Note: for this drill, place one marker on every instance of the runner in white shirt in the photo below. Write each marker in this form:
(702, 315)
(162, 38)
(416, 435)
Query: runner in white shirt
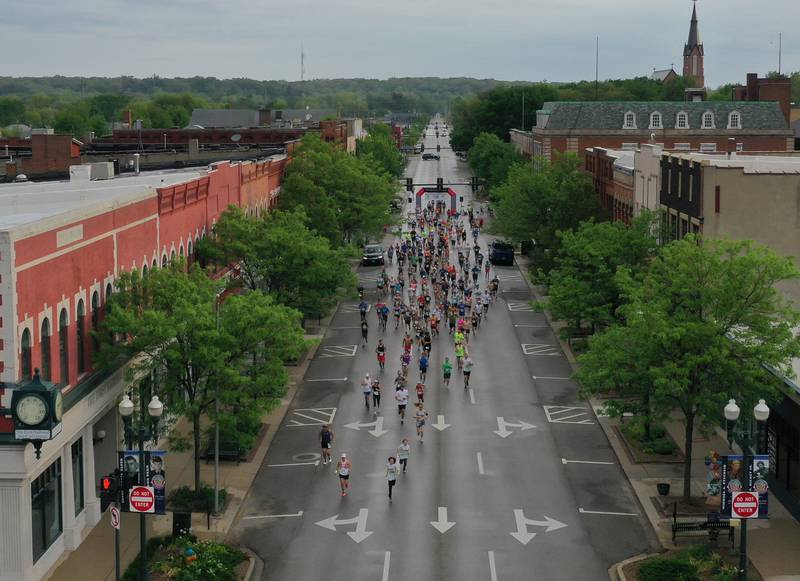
(403, 453)
(401, 395)
(391, 474)
(343, 470)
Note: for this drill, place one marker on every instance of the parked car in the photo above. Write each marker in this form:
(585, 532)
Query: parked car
(501, 253)
(430, 156)
(373, 254)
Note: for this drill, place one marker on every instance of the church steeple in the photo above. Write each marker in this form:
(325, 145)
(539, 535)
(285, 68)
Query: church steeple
(693, 52)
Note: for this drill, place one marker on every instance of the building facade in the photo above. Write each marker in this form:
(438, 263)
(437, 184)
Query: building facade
(62, 245)
(612, 174)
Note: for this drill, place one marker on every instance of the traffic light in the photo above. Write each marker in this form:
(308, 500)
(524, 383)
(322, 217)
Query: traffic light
(438, 148)
(474, 183)
(409, 184)
(109, 487)
(439, 184)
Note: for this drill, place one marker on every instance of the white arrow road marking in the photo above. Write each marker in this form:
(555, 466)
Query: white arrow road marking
(360, 521)
(386, 559)
(442, 525)
(522, 534)
(311, 417)
(378, 423)
(480, 463)
(565, 461)
(471, 396)
(331, 379)
(492, 566)
(502, 426)
(440, 425)
(561, 414)
(314, 463)
(260, 516)
(540, 349)
(582, 511)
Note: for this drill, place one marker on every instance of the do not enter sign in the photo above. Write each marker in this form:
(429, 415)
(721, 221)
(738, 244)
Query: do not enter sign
(142, 499)
(744, 505)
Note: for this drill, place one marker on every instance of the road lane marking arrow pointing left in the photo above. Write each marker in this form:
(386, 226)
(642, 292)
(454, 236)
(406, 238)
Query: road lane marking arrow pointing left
(503, 425)
(442, 525)
(440, 425)
(378, 431)
(522, 534)
(359, 534)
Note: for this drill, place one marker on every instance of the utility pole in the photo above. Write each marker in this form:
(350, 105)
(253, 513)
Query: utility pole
(596, 68)
(780, 51)
(523, 112)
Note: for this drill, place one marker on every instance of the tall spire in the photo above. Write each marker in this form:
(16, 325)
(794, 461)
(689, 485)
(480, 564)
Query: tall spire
(694, 33)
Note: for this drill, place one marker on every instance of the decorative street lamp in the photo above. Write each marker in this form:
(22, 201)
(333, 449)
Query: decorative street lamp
(742, 436)
(148, 429)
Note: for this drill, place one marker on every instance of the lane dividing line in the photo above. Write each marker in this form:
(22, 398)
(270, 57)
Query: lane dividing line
(314, 463)
(387, 556)
(480, 463)
(541, 377)
(298, 513)
(531, 326)
(565, 461)
(492, 566)
(326, 379)
(582, 511)
(471, 396)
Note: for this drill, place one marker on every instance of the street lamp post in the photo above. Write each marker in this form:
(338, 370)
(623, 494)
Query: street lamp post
(746, 441)
(154, 409)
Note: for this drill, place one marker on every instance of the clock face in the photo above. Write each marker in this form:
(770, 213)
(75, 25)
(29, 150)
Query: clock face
(58, 406)
(31, 410)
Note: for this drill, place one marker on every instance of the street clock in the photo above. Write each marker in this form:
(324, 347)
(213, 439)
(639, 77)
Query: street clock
(37, 408)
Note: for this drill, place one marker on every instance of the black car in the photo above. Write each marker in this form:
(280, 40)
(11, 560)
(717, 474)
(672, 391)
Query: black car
(373, 254)
(430, 156)
(501, 253)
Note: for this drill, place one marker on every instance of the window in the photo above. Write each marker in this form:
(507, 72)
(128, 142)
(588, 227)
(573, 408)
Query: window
(189, 253)
(77, 475)
(46, 362)
(46, 509)
(80, 336)
(734, 120)
(708, 147)
(708, 120)
(26, 365)
(630, 120)
(655, 120)
(95, 319)
(683, 146)
(155, 264)
(144, 270)
(63, 352)
(109, 291)
(164, 261)
(629, 146)
(740, 147)
(682, 120)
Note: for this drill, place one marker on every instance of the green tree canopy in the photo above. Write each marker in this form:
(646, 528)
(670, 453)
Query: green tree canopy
(492, 159)
(381, 147)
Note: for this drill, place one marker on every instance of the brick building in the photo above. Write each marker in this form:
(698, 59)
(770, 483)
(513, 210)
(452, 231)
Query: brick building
(612, 175)
(62, 244)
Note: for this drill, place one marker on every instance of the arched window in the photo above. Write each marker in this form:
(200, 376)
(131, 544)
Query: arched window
(164, 261)
(655, 120)
(155, 264)
(172, 256)
(144, 270)
(682, 121)
(708, 120)
(630, 120)
(46, 353)
(63, 351)
(109, 290)
(189, 253)
(26, 364)
(734, 120)
(95, 320)
(180, 252)
(80, 336)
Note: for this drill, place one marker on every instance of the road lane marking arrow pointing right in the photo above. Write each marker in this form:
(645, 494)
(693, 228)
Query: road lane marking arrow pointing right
(442, 525)
(502, 426)
(522, 534)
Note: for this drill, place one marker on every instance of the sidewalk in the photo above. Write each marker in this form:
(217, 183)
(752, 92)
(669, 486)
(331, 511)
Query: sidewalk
(94, 558)
(773, 545)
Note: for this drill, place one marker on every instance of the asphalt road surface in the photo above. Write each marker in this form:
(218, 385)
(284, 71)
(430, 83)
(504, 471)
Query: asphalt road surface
(514, 480)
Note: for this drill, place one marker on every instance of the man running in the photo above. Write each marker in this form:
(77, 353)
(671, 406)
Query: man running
(403, 453)
(423, 367)
(401, 395)
(447, 370)
(420, 389)
(468, 363)
(391, 474)
(343, 469)
(364, 332)
(366, 389)
(420, 415)
(380, 351)
(326, 441)
(376, 395)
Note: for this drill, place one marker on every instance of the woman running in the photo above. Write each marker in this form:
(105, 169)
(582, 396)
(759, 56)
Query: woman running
(420, 415)
(343, 469)
(391, 474)
(403, 453)
(468, 363)
(326, 440)
(376, 394)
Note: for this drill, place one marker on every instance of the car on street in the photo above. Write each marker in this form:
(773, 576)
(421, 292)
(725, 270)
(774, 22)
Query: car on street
(501, 253)
(373, 254)
(427, 156)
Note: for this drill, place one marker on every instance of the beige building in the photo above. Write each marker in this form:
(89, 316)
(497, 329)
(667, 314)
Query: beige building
(646, 178)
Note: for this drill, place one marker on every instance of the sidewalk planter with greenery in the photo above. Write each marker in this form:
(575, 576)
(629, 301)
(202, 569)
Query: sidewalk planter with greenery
(210, 560)
(658, 442)
(186, 499)
(696, 563)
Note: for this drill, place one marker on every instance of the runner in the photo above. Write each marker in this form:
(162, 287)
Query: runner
(460, 354)
(343, 469)
(447, 370)
(403, 453)
(401, 395)
(468, 363)
(380, 351)
(486, 268)
(326, 441)
(391, 474)
(405, 361)
(420, 392)
(376, 395)
(420, 416)
(423, 367)
(364, 332)
(366, 389)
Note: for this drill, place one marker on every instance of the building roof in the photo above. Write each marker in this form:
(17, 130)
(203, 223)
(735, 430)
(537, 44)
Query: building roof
(31, 202)
(225, 118)
(662, 75)
(610, 114)
(750, 164)
(694, 35)
(302, 115)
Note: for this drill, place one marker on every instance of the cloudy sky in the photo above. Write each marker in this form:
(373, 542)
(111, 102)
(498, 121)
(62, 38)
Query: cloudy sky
(502, 39)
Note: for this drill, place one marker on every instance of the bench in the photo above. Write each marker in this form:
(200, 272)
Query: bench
(710, 527)
(226, 453)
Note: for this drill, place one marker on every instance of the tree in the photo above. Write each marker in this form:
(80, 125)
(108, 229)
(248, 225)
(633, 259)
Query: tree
(492, 159)
(11, 110)
(172, 330)
(704, 320)
(381, 147)
(583, 287)
(539, 199)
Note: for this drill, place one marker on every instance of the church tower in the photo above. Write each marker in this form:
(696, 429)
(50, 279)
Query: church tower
(693, 54)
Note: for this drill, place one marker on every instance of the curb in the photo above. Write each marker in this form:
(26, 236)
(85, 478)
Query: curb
(255, 563)
(615, 572)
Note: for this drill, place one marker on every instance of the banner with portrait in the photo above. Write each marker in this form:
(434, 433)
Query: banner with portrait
(736, 477)
(154, 475)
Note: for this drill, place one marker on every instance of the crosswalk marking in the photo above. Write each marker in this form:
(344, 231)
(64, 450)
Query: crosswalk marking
(311, 417)
(519, 306)
(559, 414)
(339, 351)
(353, 308)
(540, 349)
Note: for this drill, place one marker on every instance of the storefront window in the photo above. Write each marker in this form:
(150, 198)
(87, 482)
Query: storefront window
(46, 509)
(77, 475)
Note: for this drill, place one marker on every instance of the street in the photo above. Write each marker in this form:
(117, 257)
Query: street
(514, 480)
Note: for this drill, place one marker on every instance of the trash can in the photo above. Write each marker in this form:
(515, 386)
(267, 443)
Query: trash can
(181, 523)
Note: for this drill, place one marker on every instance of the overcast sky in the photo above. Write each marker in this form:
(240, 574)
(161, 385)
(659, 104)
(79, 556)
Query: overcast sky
(503, 39)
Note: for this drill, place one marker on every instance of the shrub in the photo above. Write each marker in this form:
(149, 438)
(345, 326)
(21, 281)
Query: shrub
(186, 498)
(664, 569)
(663, 446)
(214, 561)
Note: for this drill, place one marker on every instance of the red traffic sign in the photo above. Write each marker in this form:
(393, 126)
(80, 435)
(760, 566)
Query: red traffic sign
(142, 499)
(744, 505)
(115, 517)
